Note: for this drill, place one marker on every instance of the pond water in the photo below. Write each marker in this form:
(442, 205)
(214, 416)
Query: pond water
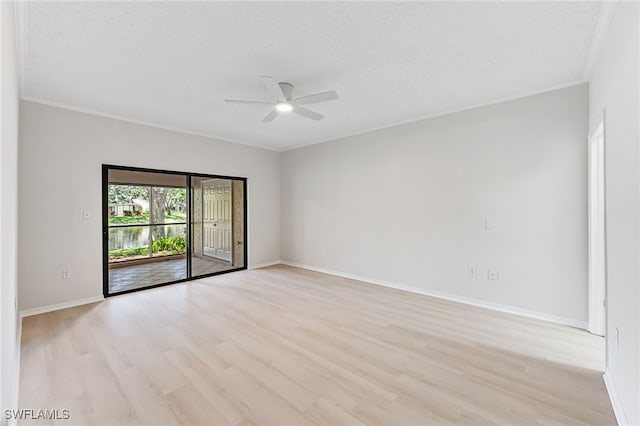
(138, 236)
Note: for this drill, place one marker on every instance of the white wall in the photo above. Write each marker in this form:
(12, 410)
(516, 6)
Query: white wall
(614, 89)
(61, 153)
(408, 204)
(9, 351)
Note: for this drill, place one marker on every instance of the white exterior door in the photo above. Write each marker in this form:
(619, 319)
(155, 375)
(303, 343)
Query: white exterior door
(217, 222)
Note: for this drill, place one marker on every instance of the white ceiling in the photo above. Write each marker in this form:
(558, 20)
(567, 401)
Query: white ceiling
(172, 64)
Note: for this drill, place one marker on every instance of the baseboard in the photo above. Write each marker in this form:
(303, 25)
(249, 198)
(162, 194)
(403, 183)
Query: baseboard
(454, 298)
(58, 306)
(621, 417)
(265, 264)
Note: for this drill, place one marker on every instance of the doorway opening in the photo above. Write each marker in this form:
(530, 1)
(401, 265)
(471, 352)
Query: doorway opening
(162, 227)
(597, 232)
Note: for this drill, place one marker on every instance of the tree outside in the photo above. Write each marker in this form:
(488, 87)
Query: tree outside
(169, 204)
(160, 205)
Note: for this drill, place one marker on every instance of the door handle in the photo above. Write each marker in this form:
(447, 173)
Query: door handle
(238, 242)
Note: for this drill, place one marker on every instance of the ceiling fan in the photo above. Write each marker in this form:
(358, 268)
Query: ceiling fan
(282, 93)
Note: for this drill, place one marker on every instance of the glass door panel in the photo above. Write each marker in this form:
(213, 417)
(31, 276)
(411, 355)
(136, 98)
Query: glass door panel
(217, 225)
(146, 229)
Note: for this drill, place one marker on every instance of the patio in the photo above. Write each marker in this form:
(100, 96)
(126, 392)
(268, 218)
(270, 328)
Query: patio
(144, 275)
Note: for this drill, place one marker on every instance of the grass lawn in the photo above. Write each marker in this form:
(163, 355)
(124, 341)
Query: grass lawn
(128, 252)
(144, 218)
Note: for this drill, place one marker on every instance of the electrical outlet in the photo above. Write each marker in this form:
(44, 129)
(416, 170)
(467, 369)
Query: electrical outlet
(489, 224)
(472, 272)
(492, 275)
(66, 274)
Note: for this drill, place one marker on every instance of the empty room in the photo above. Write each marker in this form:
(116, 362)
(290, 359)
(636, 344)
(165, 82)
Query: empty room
(309, 212)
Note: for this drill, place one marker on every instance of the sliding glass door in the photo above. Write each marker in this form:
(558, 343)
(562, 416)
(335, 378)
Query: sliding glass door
(163, 227)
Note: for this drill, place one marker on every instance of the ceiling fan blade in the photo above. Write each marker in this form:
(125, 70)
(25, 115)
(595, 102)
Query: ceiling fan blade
(274, 88)
(273, 114)
(287, 89)
(318, 97)
(239, 101)
(307, 113)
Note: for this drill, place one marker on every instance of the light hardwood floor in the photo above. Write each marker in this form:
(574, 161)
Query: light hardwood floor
(285, 346)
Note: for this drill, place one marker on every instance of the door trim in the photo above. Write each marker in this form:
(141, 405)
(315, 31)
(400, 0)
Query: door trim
(596, 207)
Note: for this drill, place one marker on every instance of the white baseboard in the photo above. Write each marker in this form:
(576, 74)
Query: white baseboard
(621, 417)
(265, 264)
(454, 298)
(58, 306)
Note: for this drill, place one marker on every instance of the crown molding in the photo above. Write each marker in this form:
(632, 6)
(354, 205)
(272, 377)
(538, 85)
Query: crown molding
(602, 27)
(139, 122)
(491, 102)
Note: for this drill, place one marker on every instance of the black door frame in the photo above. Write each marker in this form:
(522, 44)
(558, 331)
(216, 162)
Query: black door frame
(189, 224)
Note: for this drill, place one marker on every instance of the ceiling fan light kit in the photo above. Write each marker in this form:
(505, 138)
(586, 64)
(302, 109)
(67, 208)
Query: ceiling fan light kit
(284, 106)
(282, 93)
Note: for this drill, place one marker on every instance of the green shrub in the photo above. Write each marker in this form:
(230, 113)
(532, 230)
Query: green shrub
(170, 245)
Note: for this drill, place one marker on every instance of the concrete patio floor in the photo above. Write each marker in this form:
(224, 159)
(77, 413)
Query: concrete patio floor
(144, 275)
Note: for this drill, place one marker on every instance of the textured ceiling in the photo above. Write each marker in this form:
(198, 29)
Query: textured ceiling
(172, 64)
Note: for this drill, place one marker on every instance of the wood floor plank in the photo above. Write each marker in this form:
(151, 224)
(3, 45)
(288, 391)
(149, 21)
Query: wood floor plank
(286, 346)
